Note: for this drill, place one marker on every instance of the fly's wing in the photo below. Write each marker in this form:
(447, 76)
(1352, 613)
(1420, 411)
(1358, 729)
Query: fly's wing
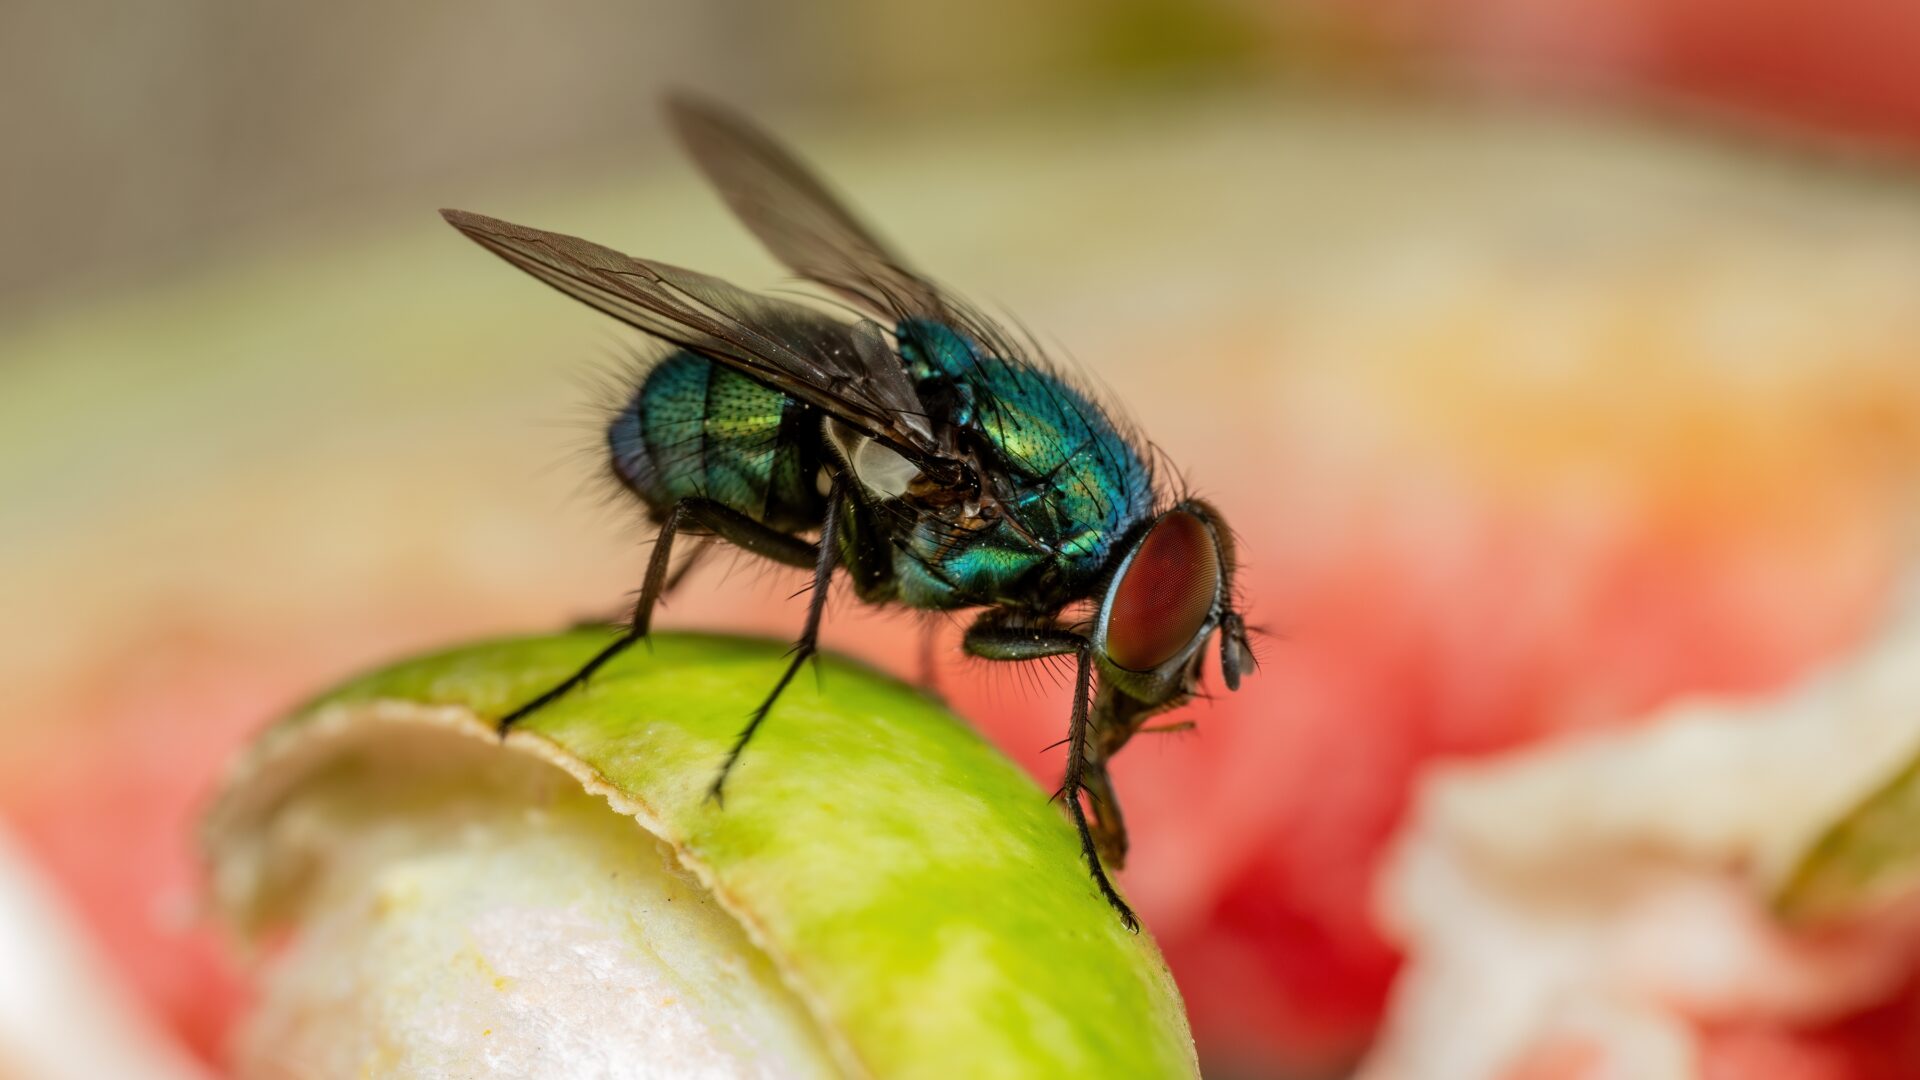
(794, 349)
(794, 214)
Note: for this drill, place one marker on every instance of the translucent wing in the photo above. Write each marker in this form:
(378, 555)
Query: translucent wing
(796, 216)
(845, 371)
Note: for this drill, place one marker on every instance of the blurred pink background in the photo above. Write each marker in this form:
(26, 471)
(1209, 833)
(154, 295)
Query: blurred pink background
(1550, 364)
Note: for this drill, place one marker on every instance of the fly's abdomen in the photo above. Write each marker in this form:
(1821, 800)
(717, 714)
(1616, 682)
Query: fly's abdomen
(697, 430)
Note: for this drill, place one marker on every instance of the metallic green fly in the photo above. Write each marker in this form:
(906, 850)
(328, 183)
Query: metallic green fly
(935, 461)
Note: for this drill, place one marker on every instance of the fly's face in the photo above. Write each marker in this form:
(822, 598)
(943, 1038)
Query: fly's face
(1173, 589)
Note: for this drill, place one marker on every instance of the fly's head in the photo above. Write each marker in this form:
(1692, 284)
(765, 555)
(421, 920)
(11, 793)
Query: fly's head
(1172, 592)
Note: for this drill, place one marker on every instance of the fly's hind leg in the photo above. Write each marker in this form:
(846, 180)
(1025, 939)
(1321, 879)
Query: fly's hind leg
(992, 638)
(824, 557)
(727, 524)
(636, 629)
(702, 547)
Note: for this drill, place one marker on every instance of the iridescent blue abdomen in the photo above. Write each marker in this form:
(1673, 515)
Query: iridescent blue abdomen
(695, 429)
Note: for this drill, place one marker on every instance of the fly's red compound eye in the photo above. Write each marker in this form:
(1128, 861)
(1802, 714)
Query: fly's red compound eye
(1163, 600)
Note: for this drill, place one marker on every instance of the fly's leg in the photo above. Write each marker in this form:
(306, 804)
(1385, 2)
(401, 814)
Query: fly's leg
(687, 565)
(726, 523)
(1109, 826)
(1071, 786)
(824, 557)
(636, 628)
(702, 547)
(929, 666)
(1115, 721)
(992, 639)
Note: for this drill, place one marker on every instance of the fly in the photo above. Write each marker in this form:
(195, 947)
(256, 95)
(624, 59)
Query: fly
(918, 450)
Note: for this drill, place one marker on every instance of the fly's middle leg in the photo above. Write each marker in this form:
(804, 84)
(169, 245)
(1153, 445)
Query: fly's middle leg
(825, 555)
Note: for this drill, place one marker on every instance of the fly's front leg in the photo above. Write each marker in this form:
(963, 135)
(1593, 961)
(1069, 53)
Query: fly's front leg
(1109, 826)
(994, 639)
(726, 523)
(1116, 719)
(824, 555)
(1076, 776)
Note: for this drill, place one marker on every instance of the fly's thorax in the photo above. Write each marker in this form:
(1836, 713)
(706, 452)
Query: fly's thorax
(987, 568)
(1064, 485)
(695, 429)
(932, 349)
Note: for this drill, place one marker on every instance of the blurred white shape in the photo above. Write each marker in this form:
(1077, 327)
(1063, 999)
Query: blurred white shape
(1606, 892)
(461, 912)
(63, 1015)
